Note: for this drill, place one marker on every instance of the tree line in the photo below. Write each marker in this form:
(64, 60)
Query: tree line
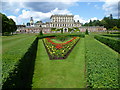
(108, 22)
(8, 25)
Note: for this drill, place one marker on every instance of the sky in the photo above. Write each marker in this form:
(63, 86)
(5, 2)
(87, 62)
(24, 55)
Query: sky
(41, 10)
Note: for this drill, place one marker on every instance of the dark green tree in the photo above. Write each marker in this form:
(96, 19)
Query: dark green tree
(107, 22)
(13, 26)
(41, 33)
(86, 32)
(8, 25)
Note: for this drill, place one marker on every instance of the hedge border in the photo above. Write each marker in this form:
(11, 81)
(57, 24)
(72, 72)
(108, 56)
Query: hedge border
(109, 41)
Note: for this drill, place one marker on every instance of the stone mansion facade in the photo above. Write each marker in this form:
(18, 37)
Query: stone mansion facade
(57, 21)
(63, 21)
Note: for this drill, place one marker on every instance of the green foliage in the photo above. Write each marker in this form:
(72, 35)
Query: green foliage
(41, 33)
(53, 29)
(115, 33)
(112, 35)
(111, 42)
(70, 29)
(60, 29)
(76, 29)
(86, 32)
(14, 47)
(101, 65)
(8, 25)
(6, 33)
(115, 28)
(56, 34)
(62, 37)
(107, 22)
(24, 68)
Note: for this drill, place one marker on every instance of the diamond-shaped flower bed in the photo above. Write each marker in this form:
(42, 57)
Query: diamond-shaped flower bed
(59, 50)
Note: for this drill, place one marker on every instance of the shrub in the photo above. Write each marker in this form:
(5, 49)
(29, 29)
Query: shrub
(86, 32)
(112, 35)
(111, 42)
(41, 33)
(6, 33)
(115, 33)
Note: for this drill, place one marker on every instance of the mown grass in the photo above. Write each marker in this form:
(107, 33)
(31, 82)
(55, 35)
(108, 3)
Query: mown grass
(58, 41)
(67, 73)
(13, 49)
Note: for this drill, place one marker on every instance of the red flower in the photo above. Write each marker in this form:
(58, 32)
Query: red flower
(59, 47)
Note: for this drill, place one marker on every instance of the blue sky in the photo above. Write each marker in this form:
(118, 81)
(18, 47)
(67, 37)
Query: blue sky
(21, 12)
(88, 9)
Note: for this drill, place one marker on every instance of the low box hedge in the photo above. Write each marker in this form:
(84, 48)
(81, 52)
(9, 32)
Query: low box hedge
(112, 35)
(111, 42)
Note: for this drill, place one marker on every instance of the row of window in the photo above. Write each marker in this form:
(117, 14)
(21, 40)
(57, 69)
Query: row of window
(62, 17)
(61, 25)
(62, 20)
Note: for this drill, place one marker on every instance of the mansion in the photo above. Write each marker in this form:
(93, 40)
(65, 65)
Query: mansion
(57, 21)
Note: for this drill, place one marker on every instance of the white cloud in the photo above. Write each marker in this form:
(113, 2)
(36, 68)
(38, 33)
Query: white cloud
(17, 10)
(96, 6)
(57, 11)
(13, 17)
(111, 7)
(25, 16)
(89, 3)
(83, 20)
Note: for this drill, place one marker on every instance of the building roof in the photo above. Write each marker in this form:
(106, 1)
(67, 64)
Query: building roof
(59, 15)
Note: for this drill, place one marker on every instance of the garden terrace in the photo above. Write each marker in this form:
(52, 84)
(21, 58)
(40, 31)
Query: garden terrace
(90, 64)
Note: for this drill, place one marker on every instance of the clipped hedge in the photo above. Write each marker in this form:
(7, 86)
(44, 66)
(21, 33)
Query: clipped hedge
(115, 33)
(64, 34)
(102, 69)
(111, 42)
(112, 35)
(21, 76)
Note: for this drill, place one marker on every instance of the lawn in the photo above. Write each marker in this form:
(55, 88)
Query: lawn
(68, 73)
(13, 49)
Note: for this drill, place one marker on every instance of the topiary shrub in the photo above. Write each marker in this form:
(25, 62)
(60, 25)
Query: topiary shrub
(41, 33)
(86, 32)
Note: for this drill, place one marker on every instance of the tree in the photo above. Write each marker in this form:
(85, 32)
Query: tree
(86, 32)
(107, 22)
(70, 29)
(41, 33)
(61, 30)
(8, 25)
(90, 23)
(13, 26)
(115, 28)
(53, 29)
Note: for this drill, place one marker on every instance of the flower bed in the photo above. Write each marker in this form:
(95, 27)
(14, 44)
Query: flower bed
(59, 50)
